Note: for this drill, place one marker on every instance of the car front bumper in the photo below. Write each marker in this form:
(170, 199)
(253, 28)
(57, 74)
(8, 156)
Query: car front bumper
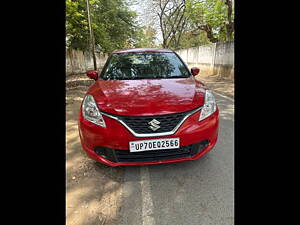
(106, 145)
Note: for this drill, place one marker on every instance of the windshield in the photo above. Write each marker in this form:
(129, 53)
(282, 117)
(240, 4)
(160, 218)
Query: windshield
(129, 66)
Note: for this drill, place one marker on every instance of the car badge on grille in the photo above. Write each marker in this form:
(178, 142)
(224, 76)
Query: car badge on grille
(154, 124)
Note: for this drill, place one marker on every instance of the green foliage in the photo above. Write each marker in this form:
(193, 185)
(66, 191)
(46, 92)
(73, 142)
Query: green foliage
(209, 12)
(115, 26)
(112, 23)
(189, 39)
(76, 25)
(146, 38)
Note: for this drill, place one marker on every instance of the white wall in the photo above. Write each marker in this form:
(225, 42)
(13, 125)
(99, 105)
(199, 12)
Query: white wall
(80, 62)
(216, 58)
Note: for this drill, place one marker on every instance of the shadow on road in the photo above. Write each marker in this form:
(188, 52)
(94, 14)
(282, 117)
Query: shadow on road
(93, 190)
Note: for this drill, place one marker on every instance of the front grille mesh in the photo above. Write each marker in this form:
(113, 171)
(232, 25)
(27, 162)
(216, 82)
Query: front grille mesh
(139, 124)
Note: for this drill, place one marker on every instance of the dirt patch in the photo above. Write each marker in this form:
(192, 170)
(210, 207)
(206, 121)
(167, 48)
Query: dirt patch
(93, 193)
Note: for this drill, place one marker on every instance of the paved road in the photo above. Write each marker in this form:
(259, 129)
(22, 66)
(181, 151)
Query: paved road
(189, 193)
(197, 192)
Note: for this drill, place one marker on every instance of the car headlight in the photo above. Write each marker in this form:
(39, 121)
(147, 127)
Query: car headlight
(209, 107)
(91, 112)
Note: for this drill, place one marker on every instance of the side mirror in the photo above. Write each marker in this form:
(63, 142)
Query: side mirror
(195, 71)
(93, 74)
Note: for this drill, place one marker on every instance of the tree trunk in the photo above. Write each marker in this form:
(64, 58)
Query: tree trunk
(207, 28)
(91, 34)
(229, 22)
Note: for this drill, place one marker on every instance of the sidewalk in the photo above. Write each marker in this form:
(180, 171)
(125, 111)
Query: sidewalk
(224, 87)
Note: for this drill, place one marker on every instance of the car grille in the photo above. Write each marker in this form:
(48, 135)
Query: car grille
(115, 155)
(140, 124)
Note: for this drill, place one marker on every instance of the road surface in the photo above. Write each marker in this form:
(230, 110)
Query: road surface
(197, 192)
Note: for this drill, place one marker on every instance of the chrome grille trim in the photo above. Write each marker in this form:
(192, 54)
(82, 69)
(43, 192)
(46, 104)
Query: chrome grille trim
(154, 134)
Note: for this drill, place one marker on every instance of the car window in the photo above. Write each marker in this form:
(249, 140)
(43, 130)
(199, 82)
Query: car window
(129, 66)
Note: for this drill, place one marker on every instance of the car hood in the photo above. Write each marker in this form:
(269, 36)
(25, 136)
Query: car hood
(148, 97)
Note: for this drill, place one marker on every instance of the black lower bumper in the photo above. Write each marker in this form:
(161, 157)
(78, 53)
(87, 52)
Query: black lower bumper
(115, 155)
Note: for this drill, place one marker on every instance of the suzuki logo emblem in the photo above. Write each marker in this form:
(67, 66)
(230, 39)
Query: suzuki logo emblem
(154, 124)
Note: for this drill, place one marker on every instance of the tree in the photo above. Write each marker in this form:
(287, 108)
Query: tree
(193, 39)
(229, 22)
(146, 37)
(112, 22)
(77, 32)
(183, 20)
(172, 20)
(215, 17)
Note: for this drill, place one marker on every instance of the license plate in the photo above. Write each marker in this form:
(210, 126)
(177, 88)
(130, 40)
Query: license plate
(154, 144)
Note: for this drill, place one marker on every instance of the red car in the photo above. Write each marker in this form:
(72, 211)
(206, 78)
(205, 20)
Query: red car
(145, 108)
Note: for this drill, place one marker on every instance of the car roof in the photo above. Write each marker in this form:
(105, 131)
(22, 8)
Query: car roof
(140, 50)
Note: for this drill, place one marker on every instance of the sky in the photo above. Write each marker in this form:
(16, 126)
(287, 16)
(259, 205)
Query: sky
(139, 7)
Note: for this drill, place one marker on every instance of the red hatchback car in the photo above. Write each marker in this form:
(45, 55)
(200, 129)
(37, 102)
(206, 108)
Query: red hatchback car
(145, 108)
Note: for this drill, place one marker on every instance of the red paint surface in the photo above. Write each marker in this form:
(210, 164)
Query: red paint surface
(93, 74)
(195, 71)
(144, 98)
(148, 97)
(116, 136)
